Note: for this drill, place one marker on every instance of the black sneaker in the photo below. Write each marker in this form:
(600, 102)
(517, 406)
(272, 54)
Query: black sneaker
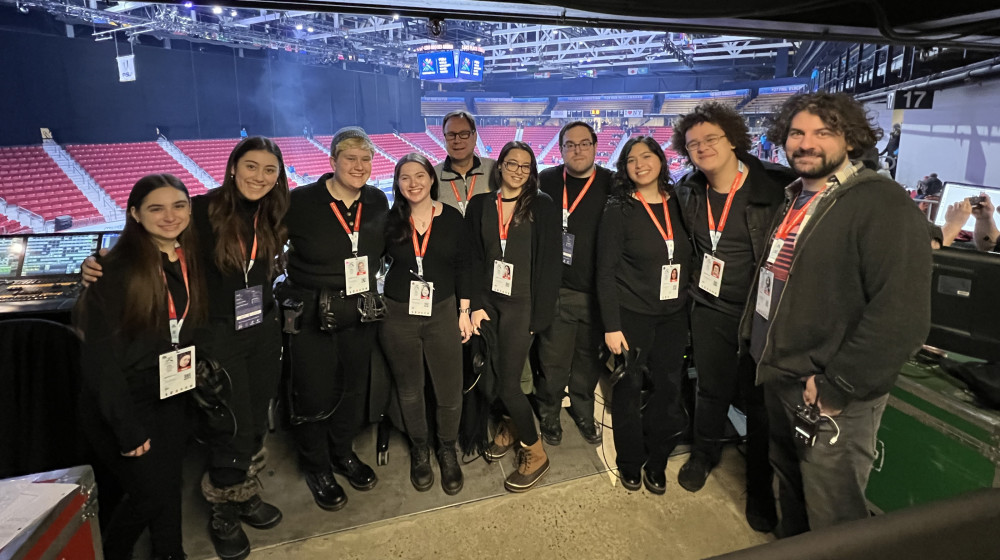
(551, 429)
(694, 473)
(228, 538)
(421, 474)
(358, 474)
(328, 494)
(258, 514)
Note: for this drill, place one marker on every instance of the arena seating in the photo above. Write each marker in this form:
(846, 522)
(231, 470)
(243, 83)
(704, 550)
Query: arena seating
(8, 226)
(440, 106)
(494, 138)
(526, 107)
(605, 103)
(607, 140)
(680, 106)
(382, 167)
(210, 155)
(766, 103)
(116, 167)
(392, 145)
(30, 179)
(539, 136)
(427, 145)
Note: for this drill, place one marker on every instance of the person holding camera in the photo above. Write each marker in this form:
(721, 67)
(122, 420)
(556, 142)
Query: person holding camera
(426, 283)
(642, 241)
(986, 234)
(336, 231)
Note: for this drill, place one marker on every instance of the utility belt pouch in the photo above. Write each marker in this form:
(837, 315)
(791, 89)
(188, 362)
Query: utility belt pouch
(325, 310)
(291, 315)
(371, 306)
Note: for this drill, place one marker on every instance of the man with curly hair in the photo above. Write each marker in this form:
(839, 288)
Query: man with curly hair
(849, 270)
(729, 201)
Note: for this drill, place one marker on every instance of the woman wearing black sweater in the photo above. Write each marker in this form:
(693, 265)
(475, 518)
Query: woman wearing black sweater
(427, 282)
(642, 243)
(516, 271)
(137, 328)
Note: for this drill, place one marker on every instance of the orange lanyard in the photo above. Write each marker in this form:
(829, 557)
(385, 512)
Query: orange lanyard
(504, 228)
(253, 253)
(567, 210)
(713, 232)
(668, 235)
(357, 226)
(175, 324)
(468, 193)
(420, 250)
(794, 218)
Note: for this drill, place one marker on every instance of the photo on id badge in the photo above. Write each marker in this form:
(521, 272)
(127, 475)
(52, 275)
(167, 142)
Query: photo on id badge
(503, 277)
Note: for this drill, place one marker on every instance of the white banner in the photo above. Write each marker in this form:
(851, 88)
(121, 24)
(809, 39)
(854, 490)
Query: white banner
(559, 114)
(126, 68)
(633, 112)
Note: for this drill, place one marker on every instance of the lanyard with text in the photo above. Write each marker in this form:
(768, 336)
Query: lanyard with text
(175, 323)
(567, 210)
(357, 225)
(418, 250)
(668, 235)
(792, 219)
(253, 254)
(504, 228)
(468, 192)
(716, 232)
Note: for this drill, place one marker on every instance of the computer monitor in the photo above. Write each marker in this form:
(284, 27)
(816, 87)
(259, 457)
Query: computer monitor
(11, 251)
(59, 254)
(109, 238)
(954, 192)
(965, 303)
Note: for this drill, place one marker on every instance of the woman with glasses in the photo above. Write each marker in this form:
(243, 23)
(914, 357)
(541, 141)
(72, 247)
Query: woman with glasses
(426, 283)
(641, 244)
(515, 280)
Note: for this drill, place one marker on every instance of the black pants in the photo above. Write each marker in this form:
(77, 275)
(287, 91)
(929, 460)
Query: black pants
(822, 485)
(252, 357)
(511, 317)
(329, 383)
(152, 481)
(411, 341)
(648, 436)
(567, 355)
(725, 378)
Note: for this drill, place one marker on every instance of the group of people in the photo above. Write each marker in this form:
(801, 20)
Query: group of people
(479, 247)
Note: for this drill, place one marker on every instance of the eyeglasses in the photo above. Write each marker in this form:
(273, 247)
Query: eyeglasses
(464, 135)
(513, 166)
(583, 146)
(707, 142)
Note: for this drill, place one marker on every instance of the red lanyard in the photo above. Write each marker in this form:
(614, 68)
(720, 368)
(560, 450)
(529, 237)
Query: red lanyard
(795, 217)
(253, 253)
(501, 226)
(171, 309)
(725, 212)
(668, 235)
(420, 250)
(567, 210)
(468, 192)
(357, 225)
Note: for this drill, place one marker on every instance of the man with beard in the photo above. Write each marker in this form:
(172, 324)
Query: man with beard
(849, 270)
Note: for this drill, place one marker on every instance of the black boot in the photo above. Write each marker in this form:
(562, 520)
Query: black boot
(451, 470)
(230, 542)
(421, 474)
(258, 514)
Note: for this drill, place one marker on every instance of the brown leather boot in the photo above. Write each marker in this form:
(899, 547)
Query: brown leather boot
(505, 438)
(532, 463)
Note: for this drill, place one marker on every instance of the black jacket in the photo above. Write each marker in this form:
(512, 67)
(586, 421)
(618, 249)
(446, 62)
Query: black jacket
(856, 304)
(766, 184)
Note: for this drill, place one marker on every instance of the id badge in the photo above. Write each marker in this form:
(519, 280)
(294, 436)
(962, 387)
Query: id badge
(177, 372)
(356, 274)
(421, 298)
(775, 250)
(503, 277)
(711, 274)
(249, 307)
(568, 240)
(670, 281)
(765, 285)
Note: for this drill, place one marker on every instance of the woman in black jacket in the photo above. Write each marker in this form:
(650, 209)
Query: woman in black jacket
(426, 283)
(516, 271)
(137, 359)
(642, 242)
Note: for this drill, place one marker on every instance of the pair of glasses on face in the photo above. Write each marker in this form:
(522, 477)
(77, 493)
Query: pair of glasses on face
(707, 142)
(571, 146)
(513, 166)
(464, 135)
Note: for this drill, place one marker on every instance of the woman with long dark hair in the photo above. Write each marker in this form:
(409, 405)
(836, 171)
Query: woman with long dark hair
(242, 233)
(137, 328)
(516, 272)
(426, 283)
(641, 244)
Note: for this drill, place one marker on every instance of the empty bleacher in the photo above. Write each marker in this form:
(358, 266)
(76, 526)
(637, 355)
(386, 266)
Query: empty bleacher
(439, 106)
(426, 145)
(210, 155)
(511, 107)
(392, 145)
(643, 102)
(9, 226)
(539, 136)
(681, 103)
(770, 99)
(607, 140)
(116, 167)
(494, 138)
(30, 179)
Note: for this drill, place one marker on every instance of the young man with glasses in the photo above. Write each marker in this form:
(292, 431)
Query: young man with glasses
(728, 203)
(567, 351)
(462, 174)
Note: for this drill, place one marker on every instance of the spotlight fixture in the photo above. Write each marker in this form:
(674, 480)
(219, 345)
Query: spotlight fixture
(395, 17)
(217, 10)
(298, 27)
(232, 13)
(22, 8)
(188, 4)
(310, 29)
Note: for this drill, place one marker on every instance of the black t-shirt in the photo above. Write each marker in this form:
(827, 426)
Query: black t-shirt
(319, 244)
(583, 222)
(735, 249)
(445, 263)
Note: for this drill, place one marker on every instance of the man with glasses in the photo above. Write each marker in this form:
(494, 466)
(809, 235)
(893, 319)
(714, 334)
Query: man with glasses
(728, 203)
(462, 174)
(567, 351)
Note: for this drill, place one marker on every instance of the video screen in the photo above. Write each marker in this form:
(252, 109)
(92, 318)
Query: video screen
(57, 254)
(954, 192)
(437, 65)
(470, 66)
(108, 240)
(11, 251)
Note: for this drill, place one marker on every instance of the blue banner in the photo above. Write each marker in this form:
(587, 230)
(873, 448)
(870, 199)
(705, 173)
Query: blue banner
(781, 89)
(607, 97)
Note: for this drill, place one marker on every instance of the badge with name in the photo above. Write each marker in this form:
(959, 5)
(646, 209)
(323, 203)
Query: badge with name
(177, 372)
(670, 281)
(356, 274)
(568, 240)
(711, 274)
(503, 277)
(776, 246)
(765, 285)
(421, 298)
(249, 307)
